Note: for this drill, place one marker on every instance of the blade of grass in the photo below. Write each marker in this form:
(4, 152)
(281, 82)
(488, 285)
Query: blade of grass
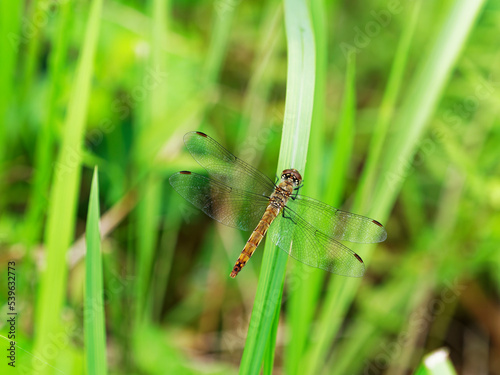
(10, 19)
(33, 39)
(163, 264)
(45, 142)
(255, 107)
(224, 13)
(293, 151)
(422, 99)
(153, 113)
(271, 343)
(147, 235)
(344, 138)
(387, 107)
(94, 324)
(341, 155)
(304, 283)
(63, 195)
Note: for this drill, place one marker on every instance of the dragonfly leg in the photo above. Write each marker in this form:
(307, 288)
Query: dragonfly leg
(287, 217)
(296, 192)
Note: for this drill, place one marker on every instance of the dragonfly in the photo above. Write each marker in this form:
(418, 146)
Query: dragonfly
(236, 194)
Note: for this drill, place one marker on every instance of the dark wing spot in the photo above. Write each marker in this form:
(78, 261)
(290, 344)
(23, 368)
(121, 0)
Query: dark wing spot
(202, 134)
(185, 172)
(358, 258)
(376, 222)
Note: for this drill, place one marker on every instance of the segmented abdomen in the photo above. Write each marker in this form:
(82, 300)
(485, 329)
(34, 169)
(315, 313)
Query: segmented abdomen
(255, 239)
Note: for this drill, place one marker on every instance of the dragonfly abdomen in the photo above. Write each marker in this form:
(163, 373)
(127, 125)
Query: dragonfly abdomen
(255, 239)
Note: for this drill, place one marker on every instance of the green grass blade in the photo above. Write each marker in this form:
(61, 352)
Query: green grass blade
(344, 138)
(10, 19)
(422, 100)
(63, 195)
(266, 303)
(300, 86)
(223, 17)
(254, 120)
(271, 343)
(34, 42)
(49, 128)
(94, 323)
(147, 236)
(387, 107)
(304, 283)
(293, 151)
(330, 320)
(153, 113)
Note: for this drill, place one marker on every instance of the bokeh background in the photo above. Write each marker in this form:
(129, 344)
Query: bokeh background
(404, 129)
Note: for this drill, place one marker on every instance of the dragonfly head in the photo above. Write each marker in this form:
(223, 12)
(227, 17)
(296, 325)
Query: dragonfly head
(293, 175)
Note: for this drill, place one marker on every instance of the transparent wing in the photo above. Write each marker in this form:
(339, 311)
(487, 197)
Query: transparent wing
(308, 245)
(224, 167)
(229, 206)
(341, 225)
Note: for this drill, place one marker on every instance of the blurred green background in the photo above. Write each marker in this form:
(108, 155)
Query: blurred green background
(404, 129)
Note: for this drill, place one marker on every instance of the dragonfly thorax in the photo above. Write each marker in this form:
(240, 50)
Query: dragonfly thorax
(281, 194)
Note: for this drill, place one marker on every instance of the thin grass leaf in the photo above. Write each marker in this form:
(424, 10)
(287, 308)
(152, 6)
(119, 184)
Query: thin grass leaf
(223, 17)
(293, 151)
(10, 20)
(271, 343)
(304, 283)
(256, 104)
(94, 323)
(63, 195)
(44, 158)
(344, 139)
(422, 99)
(163, 264)
(341, 156)
(34, 40)
(387, 108)
(153, 114)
